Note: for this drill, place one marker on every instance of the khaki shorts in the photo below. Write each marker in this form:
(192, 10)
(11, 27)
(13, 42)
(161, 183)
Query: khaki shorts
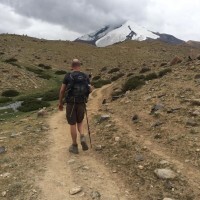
(75, 113)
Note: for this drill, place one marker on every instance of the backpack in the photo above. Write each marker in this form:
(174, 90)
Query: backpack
(78, 88)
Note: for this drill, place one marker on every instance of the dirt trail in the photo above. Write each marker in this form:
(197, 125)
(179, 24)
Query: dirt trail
(65, 171)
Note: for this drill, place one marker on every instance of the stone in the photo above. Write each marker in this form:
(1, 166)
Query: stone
(3, 193)
(145, 69)
(75, 190)
(6, 175)
(14, 135)
(165, 173)
(2, 149)
(191, 122)
(163, 64)
(140, 167)
(156, 108)
(139, 158)
(104, 118)
(95, 195)
(71, 161)
(164, 162)
(117, 139)
(176, 60)
(195, 102)
(167, 199)
(42, 112)
(135, 118)
(98, 147)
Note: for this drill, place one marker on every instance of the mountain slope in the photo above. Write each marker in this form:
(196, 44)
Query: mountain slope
(129, 30)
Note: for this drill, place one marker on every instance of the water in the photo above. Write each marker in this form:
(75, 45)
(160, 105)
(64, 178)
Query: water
(13, 106)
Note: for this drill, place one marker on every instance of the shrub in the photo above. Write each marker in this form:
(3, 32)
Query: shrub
(45, 76)
(29, 97)
(116, 69)
(32, 104)
(5, 99)
(10, 93)
(10, 60)
(35, 70)
(133, 83)
(164, 72)
(145, 69)
(100, 83)
(151, 76)
(60, 72)
(103, 69)
(44, 66)
(51, 95)
(96, 78)
(130, 74)
(115, 78)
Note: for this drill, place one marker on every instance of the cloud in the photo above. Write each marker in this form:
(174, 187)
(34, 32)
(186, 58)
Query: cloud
(67, 17)
(12, 22)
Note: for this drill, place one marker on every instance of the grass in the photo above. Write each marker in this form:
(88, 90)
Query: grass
(60, 72)
(10, 93)
(32, 105)
(133, 83)
(95, 78)
(116, 77)
(113, 70)
(35, 70)
(5, 99)
(100, 83)
(11, 60)
(151, 76)
(43, 66)
(164, 72)
(51, 95)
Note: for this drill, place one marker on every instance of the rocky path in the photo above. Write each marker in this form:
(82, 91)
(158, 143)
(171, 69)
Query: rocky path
(86, 174)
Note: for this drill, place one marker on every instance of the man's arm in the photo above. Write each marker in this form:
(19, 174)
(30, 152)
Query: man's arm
(61, 96)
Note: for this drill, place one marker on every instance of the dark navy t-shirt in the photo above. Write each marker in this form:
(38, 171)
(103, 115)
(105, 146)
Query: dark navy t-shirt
(67, 77)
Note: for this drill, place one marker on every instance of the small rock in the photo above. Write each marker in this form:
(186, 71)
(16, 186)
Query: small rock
(98, 147)
(95, 195)
(145, 69)
(195, 102)
(117, 139)
(5, 175)
(135, 118)
(165, 173)
(2, 149)
(167, 199)
(14, 135)
(141, 167)
(104, 101)
(191, 122)
(139, 158)
(71, 161)
(156, 107)
(75, 190)
(104, 117)
(164, 162)
(3, 193)
(42, 112)
(85, 168)
(108, 125)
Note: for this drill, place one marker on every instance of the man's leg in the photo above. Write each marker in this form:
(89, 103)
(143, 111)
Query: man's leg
(73, 134)
(80, 128)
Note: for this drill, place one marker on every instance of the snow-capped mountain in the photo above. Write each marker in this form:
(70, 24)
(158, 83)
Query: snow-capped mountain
(129, 30)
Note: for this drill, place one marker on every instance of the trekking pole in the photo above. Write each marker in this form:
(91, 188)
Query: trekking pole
(88, 126)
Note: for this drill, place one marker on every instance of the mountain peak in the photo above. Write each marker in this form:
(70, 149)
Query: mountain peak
(129, 30)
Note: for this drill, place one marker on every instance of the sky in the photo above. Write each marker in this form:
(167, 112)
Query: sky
(69, 19)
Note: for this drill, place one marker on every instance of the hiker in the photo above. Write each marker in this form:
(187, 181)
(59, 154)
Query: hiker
(76, 86)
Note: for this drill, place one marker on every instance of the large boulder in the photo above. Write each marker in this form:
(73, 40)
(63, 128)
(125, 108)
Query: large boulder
(176, 60)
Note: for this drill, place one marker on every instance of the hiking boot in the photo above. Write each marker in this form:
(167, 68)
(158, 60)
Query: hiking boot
(83, 143)
(73, 149)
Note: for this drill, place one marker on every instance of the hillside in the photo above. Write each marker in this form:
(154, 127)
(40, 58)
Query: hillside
(146, 119)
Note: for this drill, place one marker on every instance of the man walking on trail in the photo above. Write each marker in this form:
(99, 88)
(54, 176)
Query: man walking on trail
(76, 86)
